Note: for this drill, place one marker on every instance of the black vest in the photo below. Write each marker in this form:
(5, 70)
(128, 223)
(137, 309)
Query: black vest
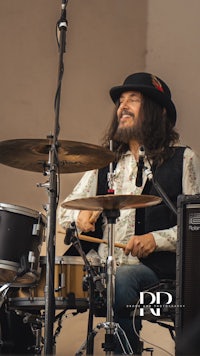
(158, 217)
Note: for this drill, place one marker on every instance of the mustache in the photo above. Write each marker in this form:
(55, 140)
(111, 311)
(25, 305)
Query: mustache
(126, 112)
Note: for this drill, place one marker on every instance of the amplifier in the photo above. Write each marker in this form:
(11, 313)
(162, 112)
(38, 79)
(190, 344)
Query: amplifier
(187, 318)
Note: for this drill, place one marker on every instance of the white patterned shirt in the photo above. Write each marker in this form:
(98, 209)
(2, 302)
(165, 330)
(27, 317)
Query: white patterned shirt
(124, 183)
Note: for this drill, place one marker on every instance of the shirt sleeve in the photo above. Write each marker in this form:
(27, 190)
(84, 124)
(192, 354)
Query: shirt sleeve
(166, 239)
(86, 187)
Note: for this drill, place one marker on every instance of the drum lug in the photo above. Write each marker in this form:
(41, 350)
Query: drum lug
(36, 230)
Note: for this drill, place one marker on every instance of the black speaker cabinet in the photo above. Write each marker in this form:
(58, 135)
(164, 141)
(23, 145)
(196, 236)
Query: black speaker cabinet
(188, 276)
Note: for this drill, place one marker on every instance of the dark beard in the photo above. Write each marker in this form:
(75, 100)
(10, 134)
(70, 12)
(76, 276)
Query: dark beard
(126, 134)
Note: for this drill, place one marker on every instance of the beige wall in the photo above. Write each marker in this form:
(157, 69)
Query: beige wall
(173, 51)
(102, 47)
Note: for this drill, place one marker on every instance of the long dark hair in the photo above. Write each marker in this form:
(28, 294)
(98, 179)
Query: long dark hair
(157, 133)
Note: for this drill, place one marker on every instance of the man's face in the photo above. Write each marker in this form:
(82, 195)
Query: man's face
(129, 108)
(129, 115)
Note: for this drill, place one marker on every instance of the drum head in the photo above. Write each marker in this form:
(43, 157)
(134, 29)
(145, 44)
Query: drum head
(7, 275)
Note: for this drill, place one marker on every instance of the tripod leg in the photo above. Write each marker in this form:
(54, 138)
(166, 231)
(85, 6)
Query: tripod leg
(90, 335)
(88, 344)
(123, 340)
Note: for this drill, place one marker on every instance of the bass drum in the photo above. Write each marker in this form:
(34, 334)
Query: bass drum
(16, 338)
(22, 232)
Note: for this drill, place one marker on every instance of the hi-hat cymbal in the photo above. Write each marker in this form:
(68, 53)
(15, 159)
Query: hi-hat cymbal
(112, 202)
(33, 155)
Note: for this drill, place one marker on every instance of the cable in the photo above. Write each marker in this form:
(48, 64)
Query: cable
(142, 339)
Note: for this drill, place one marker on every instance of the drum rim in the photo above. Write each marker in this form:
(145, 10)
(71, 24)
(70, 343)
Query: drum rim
(13, 208)
(64, 260)
(13, 265)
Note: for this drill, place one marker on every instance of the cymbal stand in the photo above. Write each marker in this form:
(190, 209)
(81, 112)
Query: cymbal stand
(113, 330)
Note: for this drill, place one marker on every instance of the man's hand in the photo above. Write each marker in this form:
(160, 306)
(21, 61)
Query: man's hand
(140, 245)
(86, 220)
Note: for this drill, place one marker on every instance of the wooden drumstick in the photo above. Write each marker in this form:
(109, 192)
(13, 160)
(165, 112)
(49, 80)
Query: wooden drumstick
(97, 240)
(94, 216)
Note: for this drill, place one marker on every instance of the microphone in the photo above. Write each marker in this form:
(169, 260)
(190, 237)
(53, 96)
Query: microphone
(63, 13)
(70, 233)
(62, 22)
(110, 175)
(140, 165)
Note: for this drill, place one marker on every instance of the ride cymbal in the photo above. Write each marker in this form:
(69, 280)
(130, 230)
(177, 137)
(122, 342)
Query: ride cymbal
(112, 202)
(73, 157)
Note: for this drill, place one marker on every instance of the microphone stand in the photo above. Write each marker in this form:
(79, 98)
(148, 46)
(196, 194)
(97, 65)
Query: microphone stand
(160, 191)
(93, 283)
(53, 198)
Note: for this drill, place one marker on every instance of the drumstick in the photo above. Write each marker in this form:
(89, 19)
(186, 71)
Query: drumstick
(94, 216)
(97, 240)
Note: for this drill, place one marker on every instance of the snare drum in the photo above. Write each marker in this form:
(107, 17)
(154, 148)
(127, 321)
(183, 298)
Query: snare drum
(69, 277)
(69, 273)
(21, 237)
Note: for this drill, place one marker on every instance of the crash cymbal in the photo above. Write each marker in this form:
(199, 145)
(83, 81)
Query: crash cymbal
(33, 155)
(112, 202)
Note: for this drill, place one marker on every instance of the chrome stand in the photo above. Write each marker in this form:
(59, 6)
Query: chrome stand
(113, 330)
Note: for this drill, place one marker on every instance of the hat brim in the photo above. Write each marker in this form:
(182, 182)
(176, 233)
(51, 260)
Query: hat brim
(152, 93)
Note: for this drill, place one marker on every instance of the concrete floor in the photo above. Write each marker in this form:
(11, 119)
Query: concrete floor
(74, 331)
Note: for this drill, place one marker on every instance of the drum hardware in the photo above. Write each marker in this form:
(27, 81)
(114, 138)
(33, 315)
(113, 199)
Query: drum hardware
(38, 303)
(3, 292)
(110, 205)
(36, 323)
(72, 237)
(92, 282)
(113, 330)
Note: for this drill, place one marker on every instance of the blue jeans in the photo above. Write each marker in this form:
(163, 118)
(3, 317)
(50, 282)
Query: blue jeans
(129, 282)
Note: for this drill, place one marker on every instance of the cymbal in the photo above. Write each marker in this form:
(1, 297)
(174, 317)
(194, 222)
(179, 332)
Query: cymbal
(33, 155)
(112, 202)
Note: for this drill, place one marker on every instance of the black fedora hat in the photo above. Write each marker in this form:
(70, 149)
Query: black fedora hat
(149, 85)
